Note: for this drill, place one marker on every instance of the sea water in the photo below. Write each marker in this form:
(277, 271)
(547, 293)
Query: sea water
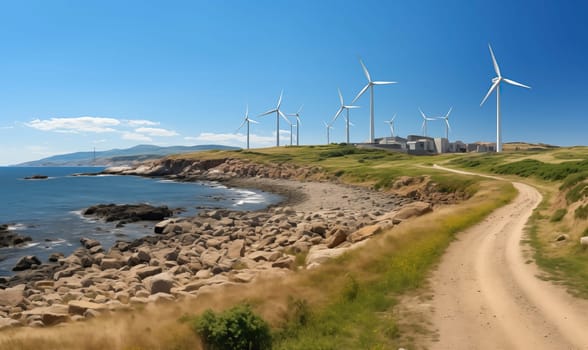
(49, 211)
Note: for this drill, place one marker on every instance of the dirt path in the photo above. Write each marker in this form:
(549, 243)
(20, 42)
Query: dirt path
(487, 295)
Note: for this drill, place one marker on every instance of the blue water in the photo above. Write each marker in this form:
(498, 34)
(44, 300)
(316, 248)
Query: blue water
(49, 210)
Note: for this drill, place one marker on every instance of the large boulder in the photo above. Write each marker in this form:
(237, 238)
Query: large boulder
(364, 232)
(128, 212)
(26, 262)
(236, 249)
(336, 237)
(143, 271)
(160, 283)
(584, 241)
(413, 209)
(79, 307)
(9, 238)
(12, 296)
(49, 315)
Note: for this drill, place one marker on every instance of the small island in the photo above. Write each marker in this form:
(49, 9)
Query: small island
(36, 177)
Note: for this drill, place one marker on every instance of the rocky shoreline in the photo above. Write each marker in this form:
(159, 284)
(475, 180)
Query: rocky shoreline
(188, 256)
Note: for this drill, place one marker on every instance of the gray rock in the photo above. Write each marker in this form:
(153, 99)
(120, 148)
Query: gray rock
(26, 262)
(160, 283)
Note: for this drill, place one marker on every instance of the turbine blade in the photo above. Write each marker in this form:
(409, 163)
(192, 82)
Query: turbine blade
(273, 110)
(340, 96)
(365, 71)
(496, 68)
(298, 120)
(448, 112)
(300, 109)
(240, 126)
(383, 82)
(492, 88)
(361, 93)
(394, 117)
(326, 125)
(351, 107)
(283, 116)
(422, 113)
(252, 121)
(280, 99)
(246, 111)
(512, 82)
(338, 113)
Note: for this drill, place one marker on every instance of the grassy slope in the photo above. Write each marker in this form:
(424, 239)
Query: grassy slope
(562, 177)
(347, 303)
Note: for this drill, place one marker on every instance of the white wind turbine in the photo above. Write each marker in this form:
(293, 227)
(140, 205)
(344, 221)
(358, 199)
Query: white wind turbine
(370, 85)
(247, 120)
(447, 126)
(496, 86)
(298, 122)
(329, 127)
(425, 120)
(278, 114)
(391, 124)
(341, 108)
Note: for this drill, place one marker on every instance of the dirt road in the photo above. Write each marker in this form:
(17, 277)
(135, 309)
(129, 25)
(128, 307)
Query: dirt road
(487, 295)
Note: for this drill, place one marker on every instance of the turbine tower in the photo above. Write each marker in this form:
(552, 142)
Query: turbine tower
(329, 127)
(496, 86)
(341, 108)
(425, 120)
(297, 115)
(247, 120)
(370, 85)
(278, 114)
(447, 126)
(391, 124)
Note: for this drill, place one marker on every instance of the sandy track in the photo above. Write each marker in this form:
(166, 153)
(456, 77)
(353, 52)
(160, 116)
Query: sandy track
(487, 295)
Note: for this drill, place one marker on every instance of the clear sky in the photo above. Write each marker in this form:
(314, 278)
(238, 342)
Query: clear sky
(75, 75)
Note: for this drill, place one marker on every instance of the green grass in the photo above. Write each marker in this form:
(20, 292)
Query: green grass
(558, 215)
(361, 313)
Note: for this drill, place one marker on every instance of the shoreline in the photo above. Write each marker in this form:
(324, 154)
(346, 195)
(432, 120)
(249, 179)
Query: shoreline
(187, 256)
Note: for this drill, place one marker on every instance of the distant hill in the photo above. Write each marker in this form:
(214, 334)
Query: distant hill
(120, 156)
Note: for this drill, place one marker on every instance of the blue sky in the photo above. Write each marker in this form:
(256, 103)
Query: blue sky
(112, 74)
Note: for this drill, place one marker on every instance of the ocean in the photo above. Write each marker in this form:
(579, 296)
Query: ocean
(49, 211)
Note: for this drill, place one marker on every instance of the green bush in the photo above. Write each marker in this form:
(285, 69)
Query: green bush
(558, 215)
(577, 192)
(235, 329)
(581, 212)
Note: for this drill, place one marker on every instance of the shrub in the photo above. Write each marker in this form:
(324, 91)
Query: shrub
(235, 329)
(558, 215)
(581, 212)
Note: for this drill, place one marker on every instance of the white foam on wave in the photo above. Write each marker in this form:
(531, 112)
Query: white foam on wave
(250, 197)
(16, 227)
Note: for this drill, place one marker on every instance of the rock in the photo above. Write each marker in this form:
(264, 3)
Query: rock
(562, 237)
(413, 209)
(285, 262)
(54, 257)
(236, 249)
(145, 271)
(160, 283)
(210, 258)
(160, 297)
(6, 322)
(36, 177)
(319, 254)
(79, 307)
(111, 263)
(363, 233)
(144, 255)
(49, 315)
(89, 243)
(319, 228)
(584, 241)
(337, 237)
(12, 296)
(26, 262)
(9, 238)
(129, 212)
(160, 226)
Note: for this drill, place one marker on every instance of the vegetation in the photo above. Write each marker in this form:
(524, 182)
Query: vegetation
(558, 215)
(235, 329)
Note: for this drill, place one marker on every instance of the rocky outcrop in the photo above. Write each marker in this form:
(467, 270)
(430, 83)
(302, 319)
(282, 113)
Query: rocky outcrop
(126, 213)
(9, 238)
(36, 177)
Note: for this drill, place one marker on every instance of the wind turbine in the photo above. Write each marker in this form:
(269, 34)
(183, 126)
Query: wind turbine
(247, 120)
(425, 120)
(496, 86)
(447, 127)
(278, 114)
(391, 123)
(341, 108)
(370, 85)
(298, 122)
(329, 127)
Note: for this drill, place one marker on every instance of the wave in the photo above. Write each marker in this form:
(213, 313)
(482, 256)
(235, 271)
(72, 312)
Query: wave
(16, 227)
(250, 198)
